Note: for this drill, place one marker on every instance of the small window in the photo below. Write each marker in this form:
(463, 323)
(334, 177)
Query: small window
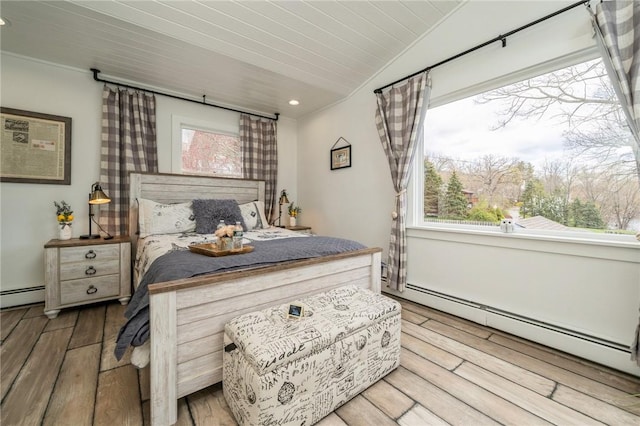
(552, 152)
(206, 152)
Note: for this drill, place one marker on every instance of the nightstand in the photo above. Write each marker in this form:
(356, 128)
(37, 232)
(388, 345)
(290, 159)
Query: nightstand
(78, 272)
(301, 229)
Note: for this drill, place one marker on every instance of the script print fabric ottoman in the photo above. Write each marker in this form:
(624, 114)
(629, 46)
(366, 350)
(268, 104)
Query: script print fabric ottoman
(283, 371)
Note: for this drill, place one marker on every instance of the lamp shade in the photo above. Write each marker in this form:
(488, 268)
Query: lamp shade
(97, 195)
(283, 197)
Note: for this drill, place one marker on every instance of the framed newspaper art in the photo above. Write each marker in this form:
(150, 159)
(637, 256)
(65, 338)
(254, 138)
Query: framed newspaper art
(34, 147)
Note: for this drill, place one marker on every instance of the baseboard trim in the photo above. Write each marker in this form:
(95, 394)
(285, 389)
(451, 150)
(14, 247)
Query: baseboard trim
(21, 296)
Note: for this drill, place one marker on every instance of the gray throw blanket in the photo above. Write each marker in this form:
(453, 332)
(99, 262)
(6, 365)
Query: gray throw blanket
(184, 264)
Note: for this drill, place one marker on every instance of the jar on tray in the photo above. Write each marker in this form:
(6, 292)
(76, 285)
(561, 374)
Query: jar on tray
(225, 243)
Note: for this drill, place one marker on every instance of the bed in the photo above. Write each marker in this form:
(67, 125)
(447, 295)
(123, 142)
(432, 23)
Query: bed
(187, 315)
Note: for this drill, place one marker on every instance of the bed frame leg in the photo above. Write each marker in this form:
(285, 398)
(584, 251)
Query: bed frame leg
(376, 272)
(164, 354)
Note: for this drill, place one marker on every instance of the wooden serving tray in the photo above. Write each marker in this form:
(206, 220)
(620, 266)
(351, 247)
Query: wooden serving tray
(210, 249)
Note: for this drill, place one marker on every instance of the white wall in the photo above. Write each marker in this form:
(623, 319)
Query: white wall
(27, 213)
(356, 202)
(26, 210)
(353, 202)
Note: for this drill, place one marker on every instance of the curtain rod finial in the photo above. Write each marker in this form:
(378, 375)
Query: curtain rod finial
(95, 72)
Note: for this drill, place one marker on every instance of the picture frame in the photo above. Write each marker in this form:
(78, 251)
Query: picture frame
(295, 311)
(34, 147)
(341, 157)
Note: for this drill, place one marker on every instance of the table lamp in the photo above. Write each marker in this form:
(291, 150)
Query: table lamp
(283, 200)
(96, 196)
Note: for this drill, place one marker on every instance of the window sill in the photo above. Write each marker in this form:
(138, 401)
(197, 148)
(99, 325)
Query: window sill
(621, 247)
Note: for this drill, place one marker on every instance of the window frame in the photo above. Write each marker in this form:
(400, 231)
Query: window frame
(179, 122)
(415, 190)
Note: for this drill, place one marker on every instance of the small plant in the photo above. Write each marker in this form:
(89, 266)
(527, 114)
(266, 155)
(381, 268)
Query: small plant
(294, 210)
(64, 213)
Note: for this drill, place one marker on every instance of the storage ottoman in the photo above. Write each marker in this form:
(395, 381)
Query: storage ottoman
(279, 370)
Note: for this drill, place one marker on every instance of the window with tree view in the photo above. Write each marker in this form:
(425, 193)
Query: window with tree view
(210, 153)
(552, 152)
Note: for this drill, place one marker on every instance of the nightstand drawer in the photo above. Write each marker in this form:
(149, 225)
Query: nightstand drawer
(84, 290)
(89, 268)
(96, 253)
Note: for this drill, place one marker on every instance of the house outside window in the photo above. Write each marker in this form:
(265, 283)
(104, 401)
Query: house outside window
(208, 152)
(551, 152)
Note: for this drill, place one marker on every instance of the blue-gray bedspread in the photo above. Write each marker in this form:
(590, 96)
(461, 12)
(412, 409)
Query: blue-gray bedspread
(184, 264)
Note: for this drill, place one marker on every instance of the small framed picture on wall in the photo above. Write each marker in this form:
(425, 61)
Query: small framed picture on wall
(341, 157)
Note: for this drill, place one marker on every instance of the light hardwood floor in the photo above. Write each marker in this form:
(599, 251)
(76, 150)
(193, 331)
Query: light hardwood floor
(63, 372)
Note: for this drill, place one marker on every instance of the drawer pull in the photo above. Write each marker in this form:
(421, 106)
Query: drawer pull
(91, 289)
(90, 270)
(90, 254)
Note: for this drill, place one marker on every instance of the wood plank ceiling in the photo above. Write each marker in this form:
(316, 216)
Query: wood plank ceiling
(253, 55)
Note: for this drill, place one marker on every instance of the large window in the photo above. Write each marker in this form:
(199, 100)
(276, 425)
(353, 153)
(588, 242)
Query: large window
(206, 152)
(552, 152)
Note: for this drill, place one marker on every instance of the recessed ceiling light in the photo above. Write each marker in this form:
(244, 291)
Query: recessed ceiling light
(4, 22)
(294, 102)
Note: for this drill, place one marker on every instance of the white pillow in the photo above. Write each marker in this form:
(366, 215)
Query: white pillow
(155, 218)
(253, 215)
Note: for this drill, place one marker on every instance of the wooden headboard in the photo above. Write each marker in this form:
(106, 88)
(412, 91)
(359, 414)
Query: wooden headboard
(171, 188)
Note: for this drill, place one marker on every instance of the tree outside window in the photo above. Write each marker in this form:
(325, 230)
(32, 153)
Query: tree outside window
(555, 147)
(210, 153)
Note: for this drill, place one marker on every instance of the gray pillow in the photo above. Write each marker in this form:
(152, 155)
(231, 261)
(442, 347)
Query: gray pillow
(208, 214)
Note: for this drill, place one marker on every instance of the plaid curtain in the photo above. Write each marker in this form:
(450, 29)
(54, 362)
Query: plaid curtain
(128, 145)
(399, 119)
(617, 27)
(260, 156)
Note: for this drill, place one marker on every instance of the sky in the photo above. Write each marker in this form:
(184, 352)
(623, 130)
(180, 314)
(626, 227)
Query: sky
(462, 129)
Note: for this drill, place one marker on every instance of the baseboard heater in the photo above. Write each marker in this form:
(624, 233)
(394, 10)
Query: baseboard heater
(21, 296)
(21, 290)
(523, 319)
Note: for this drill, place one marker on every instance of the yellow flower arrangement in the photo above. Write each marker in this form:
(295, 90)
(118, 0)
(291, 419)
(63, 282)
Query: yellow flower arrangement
(294, 210)
(64, 213)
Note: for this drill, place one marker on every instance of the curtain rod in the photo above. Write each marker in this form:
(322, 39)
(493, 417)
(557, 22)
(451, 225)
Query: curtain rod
(96, 78)
(501, 38)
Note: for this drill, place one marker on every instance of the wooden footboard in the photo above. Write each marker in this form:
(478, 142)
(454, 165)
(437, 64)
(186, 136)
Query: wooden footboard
(187, 316)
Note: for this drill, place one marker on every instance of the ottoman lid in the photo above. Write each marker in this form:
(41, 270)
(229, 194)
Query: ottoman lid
(270, 339)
